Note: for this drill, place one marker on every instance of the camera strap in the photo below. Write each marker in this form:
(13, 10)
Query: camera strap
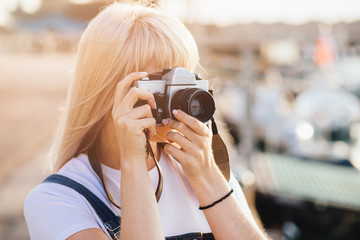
(159, 187)
(96, 166)
(220, 152)
(219, 148)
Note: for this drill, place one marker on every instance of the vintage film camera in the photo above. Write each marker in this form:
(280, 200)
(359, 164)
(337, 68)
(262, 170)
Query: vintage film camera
(177, 88)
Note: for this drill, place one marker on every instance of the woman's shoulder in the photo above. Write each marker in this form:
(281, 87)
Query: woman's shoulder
(52, 208)
(53, 211)
(50, 193)
(77, 169)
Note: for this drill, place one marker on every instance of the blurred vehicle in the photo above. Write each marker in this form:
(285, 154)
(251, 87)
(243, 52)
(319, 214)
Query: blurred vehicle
(327, 115)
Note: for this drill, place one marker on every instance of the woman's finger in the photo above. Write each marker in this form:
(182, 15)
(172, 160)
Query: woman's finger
(179, 126)
(136, 94)
(143, 111)
(141, 118)
(143, 124)
(151, 130)
(178, 154)
(125, 84)
(148, 125)
(183, 128)
(182, 141)
(197, 126)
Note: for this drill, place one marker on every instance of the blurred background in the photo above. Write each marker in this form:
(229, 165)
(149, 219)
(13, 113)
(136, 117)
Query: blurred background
(286, 75)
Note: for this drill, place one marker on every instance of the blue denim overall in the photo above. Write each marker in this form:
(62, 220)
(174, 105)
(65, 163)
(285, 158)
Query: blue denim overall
(112, 222)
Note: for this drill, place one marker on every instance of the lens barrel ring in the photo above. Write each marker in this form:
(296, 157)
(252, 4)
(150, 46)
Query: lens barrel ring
(195, 102)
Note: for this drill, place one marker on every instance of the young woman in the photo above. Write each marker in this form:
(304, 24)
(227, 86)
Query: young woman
(125, 43)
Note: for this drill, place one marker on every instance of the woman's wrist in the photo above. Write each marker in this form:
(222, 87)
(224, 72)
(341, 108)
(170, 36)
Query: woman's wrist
(217, 201)
(206, 176)
(209, 186)
(133, 164)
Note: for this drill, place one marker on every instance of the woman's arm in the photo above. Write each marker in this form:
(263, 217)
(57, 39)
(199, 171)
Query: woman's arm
(140, 217)
(226, 219)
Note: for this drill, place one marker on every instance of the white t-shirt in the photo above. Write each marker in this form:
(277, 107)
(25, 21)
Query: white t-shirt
(54, 211)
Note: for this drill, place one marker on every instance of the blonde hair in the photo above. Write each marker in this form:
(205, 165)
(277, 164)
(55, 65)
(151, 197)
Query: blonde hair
(123, 38)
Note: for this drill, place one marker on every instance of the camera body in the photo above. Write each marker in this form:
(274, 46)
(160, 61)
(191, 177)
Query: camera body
(177, 88)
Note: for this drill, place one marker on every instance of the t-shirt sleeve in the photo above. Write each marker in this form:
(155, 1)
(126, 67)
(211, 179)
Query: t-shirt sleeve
(56, 212)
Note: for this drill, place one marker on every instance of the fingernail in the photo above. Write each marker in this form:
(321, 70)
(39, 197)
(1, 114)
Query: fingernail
(145, 73)
(165, 121)
(175, 112)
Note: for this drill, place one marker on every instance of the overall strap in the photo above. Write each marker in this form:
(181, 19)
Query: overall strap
(109, 219)
(193, 236)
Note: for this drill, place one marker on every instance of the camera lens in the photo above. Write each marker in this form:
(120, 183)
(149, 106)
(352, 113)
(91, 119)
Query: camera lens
(195, 102)
(195, 107)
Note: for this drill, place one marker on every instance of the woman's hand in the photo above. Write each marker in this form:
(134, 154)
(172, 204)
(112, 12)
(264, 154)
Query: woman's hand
(131, 123)
(196, 158)
(194, 138)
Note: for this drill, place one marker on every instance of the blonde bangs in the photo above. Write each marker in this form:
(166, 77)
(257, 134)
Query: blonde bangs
(150, 42)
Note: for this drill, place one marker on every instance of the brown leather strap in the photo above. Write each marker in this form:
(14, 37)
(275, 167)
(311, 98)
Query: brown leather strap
(96, 166)
(220, 151)
(219, 148)
(159, 187)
